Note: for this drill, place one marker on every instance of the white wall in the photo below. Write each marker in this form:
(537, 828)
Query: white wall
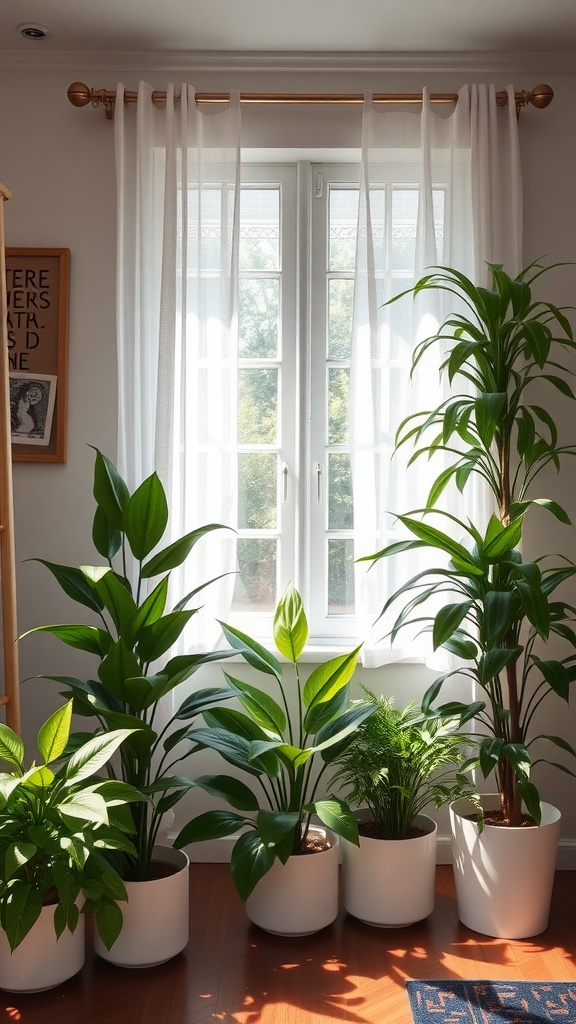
(58, 162)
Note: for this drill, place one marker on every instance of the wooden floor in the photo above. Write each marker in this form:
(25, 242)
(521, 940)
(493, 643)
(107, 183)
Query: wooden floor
(233, 973)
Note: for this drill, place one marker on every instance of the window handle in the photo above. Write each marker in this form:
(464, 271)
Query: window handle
(284, 482)
(318, 471)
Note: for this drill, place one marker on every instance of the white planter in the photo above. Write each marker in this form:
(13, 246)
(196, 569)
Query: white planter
(390, 883)
(156, 917)
(504, 876)
(42, 961)
(299, 897)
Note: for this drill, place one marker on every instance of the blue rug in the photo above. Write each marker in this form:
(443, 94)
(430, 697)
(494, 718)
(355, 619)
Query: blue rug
(492, 1002)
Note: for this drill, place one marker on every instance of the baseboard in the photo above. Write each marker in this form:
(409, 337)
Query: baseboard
(218, 851)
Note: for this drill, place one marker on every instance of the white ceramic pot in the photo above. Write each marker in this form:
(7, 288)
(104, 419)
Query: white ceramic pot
(390, 883)
(504, 876)
(301, 896)
(156, 917)
(42, 961)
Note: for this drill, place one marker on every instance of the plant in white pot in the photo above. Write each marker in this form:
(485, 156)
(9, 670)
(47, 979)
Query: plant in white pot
(395, 766)
(284, 866)
(133, 630)
(503, 348)
(57, 821)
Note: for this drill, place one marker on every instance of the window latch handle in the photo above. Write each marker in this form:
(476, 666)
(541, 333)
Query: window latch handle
(318, 471)
(284, 482)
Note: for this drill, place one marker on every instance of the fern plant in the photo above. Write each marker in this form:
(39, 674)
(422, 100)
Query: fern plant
(397, 763)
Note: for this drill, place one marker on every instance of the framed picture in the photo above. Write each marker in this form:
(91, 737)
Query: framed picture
(32, 398)
(37, 289)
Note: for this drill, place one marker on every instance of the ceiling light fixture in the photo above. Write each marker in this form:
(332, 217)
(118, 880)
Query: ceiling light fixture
(33, 31)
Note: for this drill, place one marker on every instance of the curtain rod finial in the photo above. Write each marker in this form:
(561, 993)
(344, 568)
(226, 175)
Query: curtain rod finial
(79, 94)
(541, 96)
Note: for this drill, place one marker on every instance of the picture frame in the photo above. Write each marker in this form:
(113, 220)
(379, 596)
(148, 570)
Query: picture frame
(37, 293)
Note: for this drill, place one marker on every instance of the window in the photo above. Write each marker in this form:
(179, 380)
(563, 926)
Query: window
(296, 290)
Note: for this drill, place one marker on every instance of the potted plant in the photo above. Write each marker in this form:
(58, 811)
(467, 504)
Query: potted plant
(501, 609)
(285, 747)
(396, 764)
(57, 820)
(134, 630)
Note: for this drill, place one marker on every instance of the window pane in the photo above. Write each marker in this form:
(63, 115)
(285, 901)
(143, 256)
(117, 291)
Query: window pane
(338, 390)
(258, 318)
(438, 204)
(404, 218)
(255, 587)
(378, 225)
(340, 309)
(214, 226)
(343, 221)
(340, 577)
(257, 491)
(340, 515)
(257, 405)
(260, 229)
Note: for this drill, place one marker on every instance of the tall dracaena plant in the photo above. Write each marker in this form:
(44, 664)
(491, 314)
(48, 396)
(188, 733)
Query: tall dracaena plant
(499, 344)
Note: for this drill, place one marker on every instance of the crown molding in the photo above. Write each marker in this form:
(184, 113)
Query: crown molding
(187, 61)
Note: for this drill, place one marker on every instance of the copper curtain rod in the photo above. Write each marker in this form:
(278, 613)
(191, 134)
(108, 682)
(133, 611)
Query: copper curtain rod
(81, 95)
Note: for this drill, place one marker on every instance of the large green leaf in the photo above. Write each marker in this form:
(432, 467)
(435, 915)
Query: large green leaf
(336, 814)
(116, 597)
(201, 700)
(53, 735)
(489, 754)
(158, 637)
(150, 610)
(177, 552)
(146, 517)
(502, 540)
(493, 662)
(119, 664)
(208, 826)
(21, 912)
(290, 627)
(110, 490)
(262, 708)
(74, 584)
(11, 747)
(556, 675)
(18, 854)
(93, 755)
(81, 638)
(235, 792)
(253, 652)
(447, 621)
(251, 860)
(109, 920)
(488, 410)
(107, 539)
(234, 749)
(85, 806)
(531, 799)
(443, 542)
(274, 826)
(329, 677)
(330, 738)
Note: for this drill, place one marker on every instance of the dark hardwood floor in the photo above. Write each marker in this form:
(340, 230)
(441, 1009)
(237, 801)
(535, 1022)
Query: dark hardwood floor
(233, 973)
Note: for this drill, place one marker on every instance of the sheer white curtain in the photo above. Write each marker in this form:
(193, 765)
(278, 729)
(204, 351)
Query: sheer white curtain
(178, 183)
(435, 189)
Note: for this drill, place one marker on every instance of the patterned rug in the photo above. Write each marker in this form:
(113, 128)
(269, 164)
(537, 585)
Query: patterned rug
(492, 1002)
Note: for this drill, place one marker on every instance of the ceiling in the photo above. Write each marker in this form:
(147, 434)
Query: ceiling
(351, 26)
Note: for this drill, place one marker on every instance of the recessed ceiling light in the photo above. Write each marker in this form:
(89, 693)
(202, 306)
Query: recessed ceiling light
(32, 31)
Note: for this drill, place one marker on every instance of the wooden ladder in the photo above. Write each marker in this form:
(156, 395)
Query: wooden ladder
(11, 696)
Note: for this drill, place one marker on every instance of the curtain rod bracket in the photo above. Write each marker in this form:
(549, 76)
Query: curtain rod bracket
(81, 95)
